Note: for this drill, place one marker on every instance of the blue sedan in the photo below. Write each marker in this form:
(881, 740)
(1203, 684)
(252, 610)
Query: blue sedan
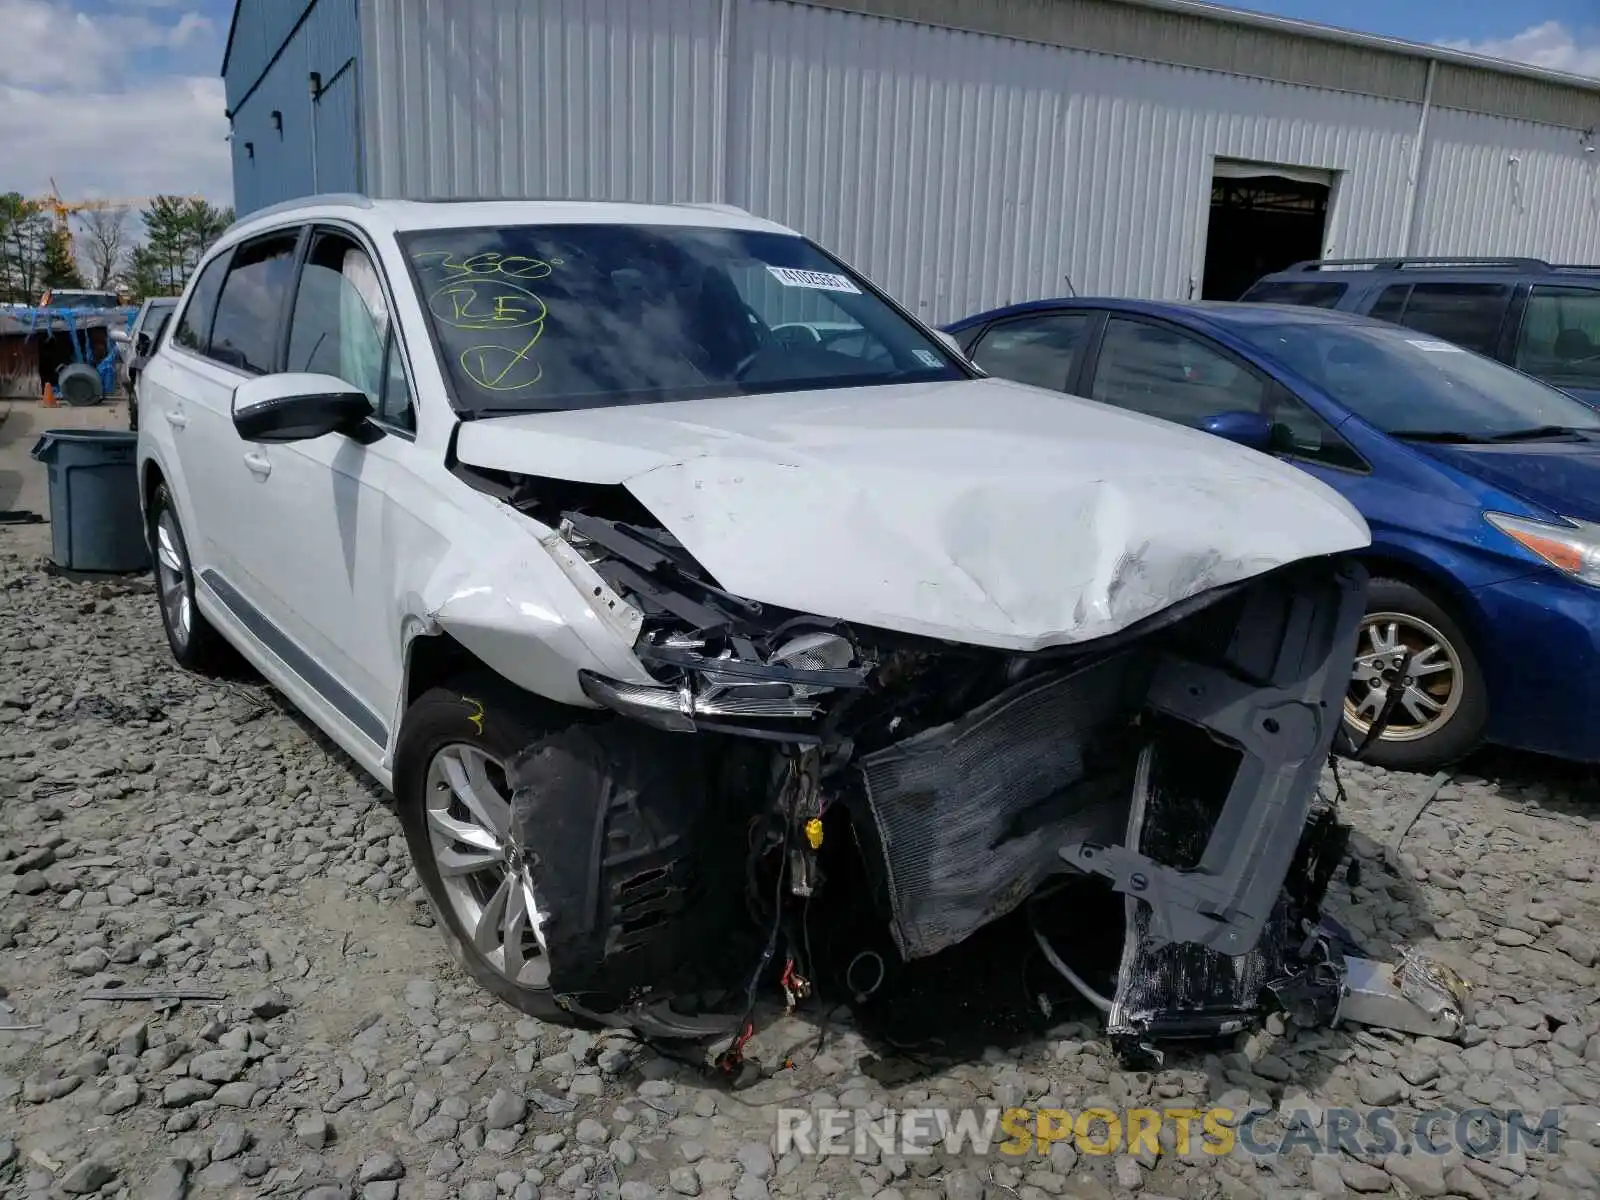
(1481, 485)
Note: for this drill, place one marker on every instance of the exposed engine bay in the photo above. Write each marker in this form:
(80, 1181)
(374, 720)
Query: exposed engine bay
(1167, 774)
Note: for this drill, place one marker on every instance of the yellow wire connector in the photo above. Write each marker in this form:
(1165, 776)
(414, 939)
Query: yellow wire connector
(814, 833)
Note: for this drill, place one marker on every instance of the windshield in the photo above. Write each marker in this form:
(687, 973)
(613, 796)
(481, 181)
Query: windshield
(1406, 383)
(538, 317)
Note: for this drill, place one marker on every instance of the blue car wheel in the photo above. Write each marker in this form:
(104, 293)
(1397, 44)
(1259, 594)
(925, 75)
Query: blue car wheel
(1444, 707)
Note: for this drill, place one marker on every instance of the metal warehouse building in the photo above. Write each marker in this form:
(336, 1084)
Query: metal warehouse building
(963, 153)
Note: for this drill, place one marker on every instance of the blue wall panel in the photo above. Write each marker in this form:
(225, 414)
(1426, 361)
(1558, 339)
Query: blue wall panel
(259, 28)
(319, 147)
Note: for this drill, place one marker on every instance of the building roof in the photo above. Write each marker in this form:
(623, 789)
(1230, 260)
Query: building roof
(1164, 31)
(1207, 36)
(1316, 31)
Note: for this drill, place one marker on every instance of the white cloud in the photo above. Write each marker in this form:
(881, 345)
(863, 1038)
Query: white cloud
(1550, 44)
(149, 122)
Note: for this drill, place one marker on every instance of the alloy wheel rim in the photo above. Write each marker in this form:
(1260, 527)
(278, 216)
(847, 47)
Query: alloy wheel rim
(1432, 692)
(172, 576)
(484, 872)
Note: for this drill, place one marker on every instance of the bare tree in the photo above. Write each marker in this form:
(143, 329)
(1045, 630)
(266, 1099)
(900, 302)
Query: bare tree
(105, 244)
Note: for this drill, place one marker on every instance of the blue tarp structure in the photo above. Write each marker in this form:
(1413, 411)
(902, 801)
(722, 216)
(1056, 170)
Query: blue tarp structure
(75, 324)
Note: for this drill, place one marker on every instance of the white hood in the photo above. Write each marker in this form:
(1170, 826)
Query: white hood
(980, 511)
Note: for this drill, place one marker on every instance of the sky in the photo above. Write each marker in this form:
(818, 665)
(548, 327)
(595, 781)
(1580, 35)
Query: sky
(138, 80)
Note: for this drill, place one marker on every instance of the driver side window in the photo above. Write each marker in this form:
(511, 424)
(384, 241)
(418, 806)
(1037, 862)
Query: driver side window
(341, 326)
(1161, 372)
(1164, 372)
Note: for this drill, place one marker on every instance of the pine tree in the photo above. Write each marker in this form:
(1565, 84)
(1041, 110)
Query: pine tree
(59, 268)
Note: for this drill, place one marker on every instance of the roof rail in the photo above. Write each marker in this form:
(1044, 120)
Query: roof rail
(326, 199)
(1395, 264)
(1577, 267)
(732, 210)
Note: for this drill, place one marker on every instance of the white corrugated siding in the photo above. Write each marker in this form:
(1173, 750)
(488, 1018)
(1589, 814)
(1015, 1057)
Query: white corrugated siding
(959, 170)
(609, 99)
(962, 171)
(1508, 187)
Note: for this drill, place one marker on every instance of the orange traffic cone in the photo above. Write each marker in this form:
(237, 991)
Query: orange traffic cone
(49, 398)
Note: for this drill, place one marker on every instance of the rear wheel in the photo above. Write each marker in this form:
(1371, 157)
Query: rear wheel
(194, 641)
(1444, 705)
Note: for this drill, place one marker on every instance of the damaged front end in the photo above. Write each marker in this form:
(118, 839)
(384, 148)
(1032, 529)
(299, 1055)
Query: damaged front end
(1174, 764)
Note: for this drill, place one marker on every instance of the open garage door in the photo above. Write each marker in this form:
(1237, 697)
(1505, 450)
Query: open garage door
(1264, 216)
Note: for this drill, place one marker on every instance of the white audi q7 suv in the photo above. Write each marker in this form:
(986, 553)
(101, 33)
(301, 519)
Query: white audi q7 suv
(668, 572)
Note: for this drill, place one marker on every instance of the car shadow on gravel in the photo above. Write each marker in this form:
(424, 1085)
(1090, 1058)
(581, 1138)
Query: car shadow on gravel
(1537, 781)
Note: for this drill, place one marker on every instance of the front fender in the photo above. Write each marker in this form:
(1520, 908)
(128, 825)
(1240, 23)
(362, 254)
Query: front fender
(522, 600)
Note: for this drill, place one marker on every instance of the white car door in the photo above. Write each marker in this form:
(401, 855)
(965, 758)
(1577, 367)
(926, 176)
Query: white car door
(327, 552)
(219, 467)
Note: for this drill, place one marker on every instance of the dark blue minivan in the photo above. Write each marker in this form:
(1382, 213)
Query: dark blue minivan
(1539, 318)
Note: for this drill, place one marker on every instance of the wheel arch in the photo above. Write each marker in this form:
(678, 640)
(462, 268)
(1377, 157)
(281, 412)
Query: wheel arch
(1437, 584)
(433, 659)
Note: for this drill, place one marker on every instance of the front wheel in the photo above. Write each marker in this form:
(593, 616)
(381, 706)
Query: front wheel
(556, 849)
(1444, 705)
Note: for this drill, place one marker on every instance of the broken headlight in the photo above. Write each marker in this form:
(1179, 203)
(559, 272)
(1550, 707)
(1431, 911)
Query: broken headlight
(734, 684)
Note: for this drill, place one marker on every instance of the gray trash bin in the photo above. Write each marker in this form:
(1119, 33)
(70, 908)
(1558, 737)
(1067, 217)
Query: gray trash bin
(95, 523)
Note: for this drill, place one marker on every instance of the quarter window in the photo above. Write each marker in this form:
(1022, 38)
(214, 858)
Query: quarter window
(1468, 314)
(1161, 372)
(194, 330)
(1299, 433)
(1391, 303)
(1560, 338)
(395, 406)
(249, 311)
(1039, 349)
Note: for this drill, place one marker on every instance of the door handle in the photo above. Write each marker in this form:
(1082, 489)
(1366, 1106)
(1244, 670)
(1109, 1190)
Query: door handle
(176, 419)
(258, 464)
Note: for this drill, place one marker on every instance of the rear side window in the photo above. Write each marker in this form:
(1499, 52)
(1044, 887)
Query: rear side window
(250, 310)
(1391, 303)
(194, 330)
(1305, 295)
(1560, 338)
(1468, 314)
(1039, 349)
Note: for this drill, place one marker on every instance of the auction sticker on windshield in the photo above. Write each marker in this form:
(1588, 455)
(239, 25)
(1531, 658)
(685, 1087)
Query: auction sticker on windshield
(1435, 347)
(819, 281)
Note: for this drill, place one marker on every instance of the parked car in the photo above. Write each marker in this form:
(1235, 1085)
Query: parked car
(1481, 486)
(79, 298)
(633, 604)
(135, 345)
(1539, 318)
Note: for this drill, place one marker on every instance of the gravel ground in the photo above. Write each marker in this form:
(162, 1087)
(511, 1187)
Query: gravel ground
(161, 831)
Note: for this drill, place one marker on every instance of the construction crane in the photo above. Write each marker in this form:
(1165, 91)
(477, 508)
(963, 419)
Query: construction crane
(63, 210)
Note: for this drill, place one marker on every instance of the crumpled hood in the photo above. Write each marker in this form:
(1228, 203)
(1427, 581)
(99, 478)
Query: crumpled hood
(980, 511)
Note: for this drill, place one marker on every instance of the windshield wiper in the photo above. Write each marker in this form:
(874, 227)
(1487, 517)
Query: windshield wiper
(1541, 432)
(1536, 433)
(1434, 435)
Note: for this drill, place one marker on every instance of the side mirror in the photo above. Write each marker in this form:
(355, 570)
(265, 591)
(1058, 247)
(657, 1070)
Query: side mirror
(296, 407)
(950, 341)
(1246, 428)
(119, 336)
